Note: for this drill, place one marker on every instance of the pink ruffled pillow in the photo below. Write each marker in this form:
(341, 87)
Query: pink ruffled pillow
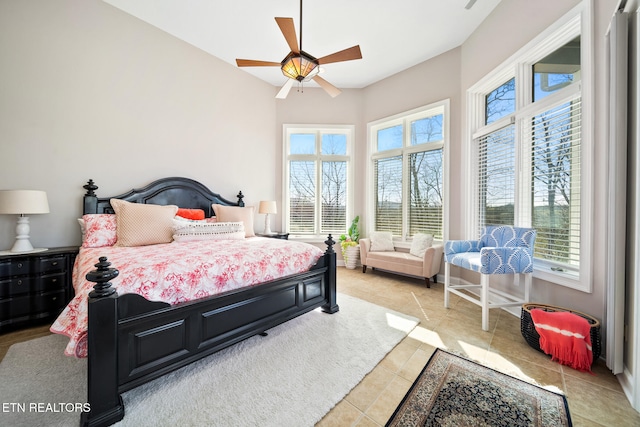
(100, 230)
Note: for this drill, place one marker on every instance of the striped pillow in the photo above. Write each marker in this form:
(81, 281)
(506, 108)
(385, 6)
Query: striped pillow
(200, 230)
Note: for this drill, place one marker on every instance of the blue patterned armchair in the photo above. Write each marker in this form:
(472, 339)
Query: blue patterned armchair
(501, 249)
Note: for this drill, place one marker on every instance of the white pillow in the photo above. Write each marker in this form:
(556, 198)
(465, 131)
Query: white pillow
(188, 231)
(382, 241)
(420, 243)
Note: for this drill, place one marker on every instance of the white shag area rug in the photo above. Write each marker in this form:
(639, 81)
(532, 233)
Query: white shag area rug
(292, 377)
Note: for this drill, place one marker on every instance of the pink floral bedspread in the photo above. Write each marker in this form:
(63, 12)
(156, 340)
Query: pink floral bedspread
(179, 272)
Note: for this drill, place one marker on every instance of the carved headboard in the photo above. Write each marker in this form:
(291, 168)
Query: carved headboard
(183, 192)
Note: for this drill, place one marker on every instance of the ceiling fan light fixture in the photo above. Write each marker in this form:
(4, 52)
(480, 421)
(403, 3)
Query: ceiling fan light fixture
(300, 66)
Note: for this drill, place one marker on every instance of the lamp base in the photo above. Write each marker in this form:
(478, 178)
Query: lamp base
(22, 244)
(267, 225)
(36, 250)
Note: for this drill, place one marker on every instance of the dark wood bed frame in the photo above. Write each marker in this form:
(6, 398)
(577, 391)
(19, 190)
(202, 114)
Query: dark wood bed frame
(132, 341)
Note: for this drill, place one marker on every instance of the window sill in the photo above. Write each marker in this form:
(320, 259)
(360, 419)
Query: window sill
(569, 278)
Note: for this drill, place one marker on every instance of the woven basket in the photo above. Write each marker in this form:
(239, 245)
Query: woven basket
(533, 339)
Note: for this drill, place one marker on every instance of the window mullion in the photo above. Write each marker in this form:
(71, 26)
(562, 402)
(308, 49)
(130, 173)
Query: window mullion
(406, 197)
(524, 173)
(319, 189)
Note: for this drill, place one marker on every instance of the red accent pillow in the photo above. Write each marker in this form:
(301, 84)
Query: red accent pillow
(195, 214)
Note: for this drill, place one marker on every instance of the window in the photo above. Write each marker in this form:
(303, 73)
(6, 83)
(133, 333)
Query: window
(408, 174)
(318, 179)
(528, 151)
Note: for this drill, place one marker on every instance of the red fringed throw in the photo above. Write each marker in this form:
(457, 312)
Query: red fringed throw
(565, 336)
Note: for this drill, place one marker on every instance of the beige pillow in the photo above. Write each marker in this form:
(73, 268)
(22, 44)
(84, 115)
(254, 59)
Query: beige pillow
(420, 243)
(382, 241)
(235, 214)
(140, 225)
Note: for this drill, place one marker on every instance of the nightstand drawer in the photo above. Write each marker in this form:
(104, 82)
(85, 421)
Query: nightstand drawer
(23, 285)
(32, 306)
(49, 301)
(5, 268)
(34, 265)
(49, 264)
(15, 267)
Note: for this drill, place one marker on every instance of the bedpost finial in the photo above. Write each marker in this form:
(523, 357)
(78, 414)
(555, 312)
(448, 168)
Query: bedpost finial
(90, 186)
(101, 277)
(329, 242)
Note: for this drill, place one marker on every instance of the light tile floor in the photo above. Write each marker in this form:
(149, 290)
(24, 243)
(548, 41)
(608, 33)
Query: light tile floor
(594, 400)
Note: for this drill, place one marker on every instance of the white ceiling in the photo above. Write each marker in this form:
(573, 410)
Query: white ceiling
(393, 35)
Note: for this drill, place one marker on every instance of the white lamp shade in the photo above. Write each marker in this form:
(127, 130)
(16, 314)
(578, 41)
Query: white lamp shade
(25, 202)
(268, 207)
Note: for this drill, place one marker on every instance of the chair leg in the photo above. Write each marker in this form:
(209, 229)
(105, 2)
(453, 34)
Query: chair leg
(447, 277)
(364, 268)
(484, 301)
(426, 279)
(527, 286)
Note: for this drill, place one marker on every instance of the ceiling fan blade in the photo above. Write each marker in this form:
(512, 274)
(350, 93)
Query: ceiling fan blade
(343, 55)
(289, 33)
(331, 89)
(284, 91)
(253, 63)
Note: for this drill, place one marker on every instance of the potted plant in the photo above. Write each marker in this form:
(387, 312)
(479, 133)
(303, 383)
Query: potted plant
(349, 244)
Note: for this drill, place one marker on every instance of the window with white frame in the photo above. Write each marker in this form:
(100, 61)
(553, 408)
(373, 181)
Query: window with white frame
(407, 164)
(318, 190)
(530, 152)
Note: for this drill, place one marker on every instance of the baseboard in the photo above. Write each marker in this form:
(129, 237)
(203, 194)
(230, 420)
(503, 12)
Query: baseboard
(627, 381)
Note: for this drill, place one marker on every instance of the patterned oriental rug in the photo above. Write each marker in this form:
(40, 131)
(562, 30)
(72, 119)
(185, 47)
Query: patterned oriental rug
(453, 391)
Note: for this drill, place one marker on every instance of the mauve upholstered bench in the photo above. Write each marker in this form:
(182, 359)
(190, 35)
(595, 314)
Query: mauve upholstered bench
(398, 261)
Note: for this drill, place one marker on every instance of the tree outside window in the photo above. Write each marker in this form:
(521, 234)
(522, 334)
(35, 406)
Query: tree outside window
(408, 172)
(318, 197)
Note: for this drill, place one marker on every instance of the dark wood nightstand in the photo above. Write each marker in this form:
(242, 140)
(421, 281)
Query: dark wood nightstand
(35, 286)
(275, 235)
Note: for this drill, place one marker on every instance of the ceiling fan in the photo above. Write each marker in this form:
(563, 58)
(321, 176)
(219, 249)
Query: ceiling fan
(298, 65)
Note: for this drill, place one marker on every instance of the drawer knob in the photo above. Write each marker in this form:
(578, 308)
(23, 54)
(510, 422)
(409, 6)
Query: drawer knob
(54, 280)
(19, 265)
(19, 282)
(54, 263)
(54, 298)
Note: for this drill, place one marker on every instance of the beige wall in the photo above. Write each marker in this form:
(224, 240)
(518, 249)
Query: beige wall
(88, 91)
(83, 81)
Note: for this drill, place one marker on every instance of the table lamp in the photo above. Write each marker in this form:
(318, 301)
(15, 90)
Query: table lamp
(267, 207)
(23, 203)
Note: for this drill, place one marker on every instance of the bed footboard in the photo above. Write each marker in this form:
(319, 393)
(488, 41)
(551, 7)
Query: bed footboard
(132, 341)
